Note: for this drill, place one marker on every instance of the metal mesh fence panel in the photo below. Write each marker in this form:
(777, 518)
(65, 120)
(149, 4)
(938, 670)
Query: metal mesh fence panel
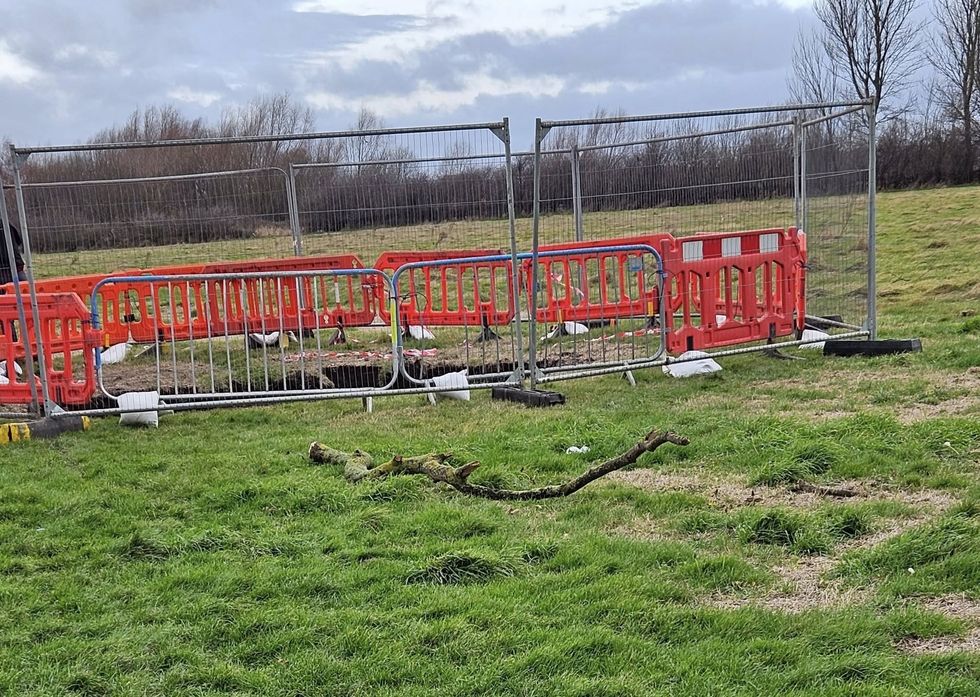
(221, 337)
(680, 176)
(835, 206)
(355, 206)
(744, 182)
(102, 226)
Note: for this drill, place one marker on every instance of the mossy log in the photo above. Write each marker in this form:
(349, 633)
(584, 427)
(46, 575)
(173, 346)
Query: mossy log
(360, 465)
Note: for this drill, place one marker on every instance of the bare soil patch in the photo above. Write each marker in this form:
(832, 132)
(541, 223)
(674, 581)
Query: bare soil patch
(804, 582)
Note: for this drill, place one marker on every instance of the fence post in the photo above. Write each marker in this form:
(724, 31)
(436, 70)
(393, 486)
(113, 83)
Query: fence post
(804, 201)
(577, 206)
(540, 131)
(8, 239)
(504, 135)
(577, 195)
(18, 159)
(797, 201)
(292, 203)
(872, 226)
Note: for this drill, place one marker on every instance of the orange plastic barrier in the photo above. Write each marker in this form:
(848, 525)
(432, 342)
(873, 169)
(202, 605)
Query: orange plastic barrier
(115, 308)
(194, 309)
(732, 288)
(585, 285)
(63, 317)
(459, 294)
(341, 301)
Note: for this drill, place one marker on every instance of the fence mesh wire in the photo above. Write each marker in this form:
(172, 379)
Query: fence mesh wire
(348, 202)
(106, 225)
(605, 180)
(836, 209)
(680, 176)
(385, 198)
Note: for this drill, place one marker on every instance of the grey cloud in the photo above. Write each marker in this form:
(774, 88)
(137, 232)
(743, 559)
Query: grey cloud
(649, 43)
(732, 52)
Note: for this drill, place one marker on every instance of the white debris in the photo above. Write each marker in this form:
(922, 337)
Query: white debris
(690, 366)
(3, 368)
(569, 328)
(815, 336)
(265, 339)
(577, 449)
(419, 333)
(459, 381)
(115, 354)
(150, 401)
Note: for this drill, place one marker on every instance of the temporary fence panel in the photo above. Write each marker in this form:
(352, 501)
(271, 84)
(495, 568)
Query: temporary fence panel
(626, 280)
(340, 197)
(248, 336)
(838, 196)
(596, 305)
(734, 179)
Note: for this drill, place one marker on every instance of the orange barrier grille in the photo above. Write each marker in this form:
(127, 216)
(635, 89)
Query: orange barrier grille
(463, 294)
(71, 370)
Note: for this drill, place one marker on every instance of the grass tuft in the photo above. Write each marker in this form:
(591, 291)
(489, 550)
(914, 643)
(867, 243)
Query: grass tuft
(140, 548)
(770, 527)
(455, 568)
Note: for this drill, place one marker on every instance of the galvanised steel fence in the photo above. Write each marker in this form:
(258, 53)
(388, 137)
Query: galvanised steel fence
(264, 269)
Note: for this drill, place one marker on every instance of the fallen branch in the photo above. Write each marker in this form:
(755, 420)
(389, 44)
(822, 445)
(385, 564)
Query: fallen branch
(360, 465)
(807, 488)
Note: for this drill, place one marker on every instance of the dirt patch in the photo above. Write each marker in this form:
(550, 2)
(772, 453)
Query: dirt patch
(138, 377)
(957, 606)
(942, 644)
(727, 493)
(957, 406)
(803, 582)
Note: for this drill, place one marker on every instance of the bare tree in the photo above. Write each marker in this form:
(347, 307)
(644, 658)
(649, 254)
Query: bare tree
(813, 79)
(265, 115)
(956, 57)
(873, 45)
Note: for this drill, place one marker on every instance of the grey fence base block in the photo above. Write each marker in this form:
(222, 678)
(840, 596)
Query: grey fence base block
(48, 427)
(880, 347)
(532, 398)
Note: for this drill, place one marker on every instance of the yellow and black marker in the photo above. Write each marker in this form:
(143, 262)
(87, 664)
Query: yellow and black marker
(48, 427)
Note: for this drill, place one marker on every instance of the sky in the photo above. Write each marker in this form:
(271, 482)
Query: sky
(69, 69)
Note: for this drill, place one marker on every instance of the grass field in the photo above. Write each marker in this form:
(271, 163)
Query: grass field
(210, 557)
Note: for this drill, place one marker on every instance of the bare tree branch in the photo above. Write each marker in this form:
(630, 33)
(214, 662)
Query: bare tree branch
(955, 54)
(359, 465)
(873, 45)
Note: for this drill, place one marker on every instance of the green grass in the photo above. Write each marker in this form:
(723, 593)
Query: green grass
(210, 557)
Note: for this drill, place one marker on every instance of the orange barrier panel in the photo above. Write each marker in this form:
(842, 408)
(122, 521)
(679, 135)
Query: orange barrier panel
(115, 308)
(194, 309)
(588, 285)
(63, 317)
(732, 288)
(477, 294)
(342, 301)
